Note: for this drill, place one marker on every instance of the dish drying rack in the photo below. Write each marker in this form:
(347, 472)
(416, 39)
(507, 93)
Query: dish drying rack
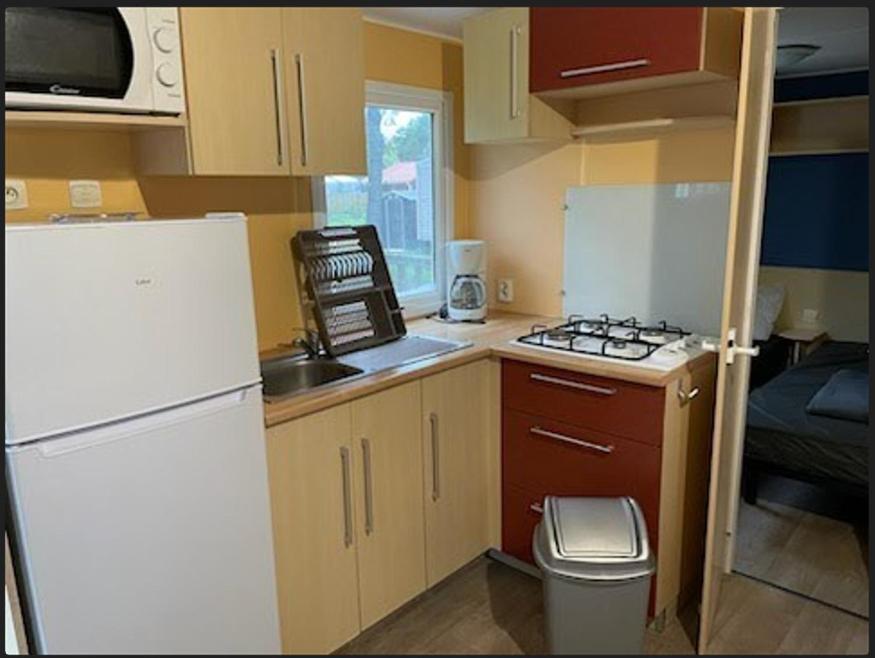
(345, 288)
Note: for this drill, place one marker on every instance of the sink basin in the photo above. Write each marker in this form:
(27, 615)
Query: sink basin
(289, 375)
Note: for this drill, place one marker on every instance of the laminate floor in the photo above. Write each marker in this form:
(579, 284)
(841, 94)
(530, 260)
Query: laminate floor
(821, 555)
(490, 608)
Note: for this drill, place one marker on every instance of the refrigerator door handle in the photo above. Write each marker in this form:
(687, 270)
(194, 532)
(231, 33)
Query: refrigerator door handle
(125, 429)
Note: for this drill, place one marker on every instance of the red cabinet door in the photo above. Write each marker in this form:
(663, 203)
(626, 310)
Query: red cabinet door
(520, 513)
(574, 47)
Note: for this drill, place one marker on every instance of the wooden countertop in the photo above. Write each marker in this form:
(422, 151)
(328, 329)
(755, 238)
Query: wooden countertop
(489, 340)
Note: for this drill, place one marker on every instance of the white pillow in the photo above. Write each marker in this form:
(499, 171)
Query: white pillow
(770, 299)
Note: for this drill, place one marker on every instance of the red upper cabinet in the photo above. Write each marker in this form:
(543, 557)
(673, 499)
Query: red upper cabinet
(576, 48)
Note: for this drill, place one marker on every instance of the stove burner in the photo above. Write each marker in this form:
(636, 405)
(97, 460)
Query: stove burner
(627, 340)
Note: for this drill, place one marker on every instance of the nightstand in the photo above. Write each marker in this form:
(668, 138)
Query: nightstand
(804, 339)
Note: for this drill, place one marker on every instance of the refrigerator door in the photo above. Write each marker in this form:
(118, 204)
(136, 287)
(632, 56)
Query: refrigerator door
(151, 536)
(109, 320)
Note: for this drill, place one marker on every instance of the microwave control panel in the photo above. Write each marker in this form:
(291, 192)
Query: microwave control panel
(167, 80)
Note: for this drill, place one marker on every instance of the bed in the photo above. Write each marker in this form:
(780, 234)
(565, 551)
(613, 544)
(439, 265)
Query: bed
(785, 439)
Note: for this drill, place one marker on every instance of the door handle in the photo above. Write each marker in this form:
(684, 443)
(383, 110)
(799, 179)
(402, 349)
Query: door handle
(369, 487)
(302, 108)
(347, 497)
(435, 458)
(604, 68)
(514, 72)
(732, 348)
(607, 449)
(276, 68)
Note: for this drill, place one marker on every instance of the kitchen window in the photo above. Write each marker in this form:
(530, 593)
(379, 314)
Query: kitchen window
(407, 193)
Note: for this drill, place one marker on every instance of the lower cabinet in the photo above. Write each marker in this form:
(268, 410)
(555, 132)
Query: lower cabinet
(387, 461)
(310, 471)
(376, 499)
(456, 452)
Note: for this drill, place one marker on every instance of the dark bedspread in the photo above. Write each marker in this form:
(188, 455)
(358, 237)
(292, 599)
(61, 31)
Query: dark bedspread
(781, 432)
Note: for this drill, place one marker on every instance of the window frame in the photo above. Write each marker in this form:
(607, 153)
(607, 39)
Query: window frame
(440, 104)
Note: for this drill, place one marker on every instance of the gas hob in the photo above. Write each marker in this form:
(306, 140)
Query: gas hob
(660, 346)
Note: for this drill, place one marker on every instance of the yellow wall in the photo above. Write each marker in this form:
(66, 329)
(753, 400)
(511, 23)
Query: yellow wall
(518, 193)
(840, 297)
(48, 159)
(277, 207)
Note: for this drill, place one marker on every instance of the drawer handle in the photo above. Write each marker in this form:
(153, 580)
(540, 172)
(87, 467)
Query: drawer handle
(604, 68)
(601, 390)
(568, 439)
(536, 508)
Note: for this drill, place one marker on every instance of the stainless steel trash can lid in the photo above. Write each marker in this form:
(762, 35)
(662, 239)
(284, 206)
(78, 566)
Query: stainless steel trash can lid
(593, 539)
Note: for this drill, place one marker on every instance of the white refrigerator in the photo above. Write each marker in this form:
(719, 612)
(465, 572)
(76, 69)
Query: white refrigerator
(135, 453)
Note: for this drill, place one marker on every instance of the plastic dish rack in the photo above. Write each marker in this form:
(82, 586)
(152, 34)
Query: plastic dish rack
(346, 289)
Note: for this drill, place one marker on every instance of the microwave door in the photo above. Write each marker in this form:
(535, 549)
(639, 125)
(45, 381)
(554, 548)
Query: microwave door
(71, 58)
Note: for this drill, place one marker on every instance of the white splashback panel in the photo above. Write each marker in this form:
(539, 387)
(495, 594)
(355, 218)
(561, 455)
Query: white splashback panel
(653, 251)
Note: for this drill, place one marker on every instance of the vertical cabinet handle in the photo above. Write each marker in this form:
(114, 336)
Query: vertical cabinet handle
(514, 71)
(347, 497)
(435, 457)
(302, 107)
(276, 69)
(369, 486)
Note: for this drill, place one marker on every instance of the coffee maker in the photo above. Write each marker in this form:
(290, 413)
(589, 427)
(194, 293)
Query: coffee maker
(466, 280)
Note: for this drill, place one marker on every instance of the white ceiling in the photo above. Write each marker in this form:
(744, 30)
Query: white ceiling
(841, 32)
(444, 21)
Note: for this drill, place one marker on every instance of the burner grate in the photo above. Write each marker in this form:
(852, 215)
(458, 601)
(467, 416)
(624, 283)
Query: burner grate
(624, 339)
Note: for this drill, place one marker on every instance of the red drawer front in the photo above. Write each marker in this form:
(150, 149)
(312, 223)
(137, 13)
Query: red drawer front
(538, 456)
(620, 408)
(568, 39)
(519, 516)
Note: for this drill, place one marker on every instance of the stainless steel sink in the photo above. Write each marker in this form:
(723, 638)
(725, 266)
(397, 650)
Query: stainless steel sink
(288, 375)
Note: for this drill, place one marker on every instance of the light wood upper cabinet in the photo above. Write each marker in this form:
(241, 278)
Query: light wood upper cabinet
(325, 86)
(310, 471)
(498, 107)
(455, 436)
(232, 58)
(387, 463)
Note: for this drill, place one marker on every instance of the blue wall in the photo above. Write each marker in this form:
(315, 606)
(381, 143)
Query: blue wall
(817, 212)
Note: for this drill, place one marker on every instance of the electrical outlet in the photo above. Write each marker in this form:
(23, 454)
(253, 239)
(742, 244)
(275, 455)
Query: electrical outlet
(505, 290)
(810, 315)
(16, 194)
(85, 194)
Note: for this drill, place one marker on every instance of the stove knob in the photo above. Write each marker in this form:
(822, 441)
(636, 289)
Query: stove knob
(165, 39)
(167, 75)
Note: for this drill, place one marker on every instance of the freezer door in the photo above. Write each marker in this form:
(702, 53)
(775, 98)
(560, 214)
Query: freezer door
(105, 321)
(151, 536)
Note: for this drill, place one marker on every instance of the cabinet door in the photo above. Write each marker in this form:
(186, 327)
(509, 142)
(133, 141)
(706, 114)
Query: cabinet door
(574, 47)
(387, 461)
(455, 448)
(325, 87)
(310, 470)
(496, 56)
(233, 61)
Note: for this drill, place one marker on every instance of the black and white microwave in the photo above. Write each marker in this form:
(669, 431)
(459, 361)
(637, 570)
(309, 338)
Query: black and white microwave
(124, 59)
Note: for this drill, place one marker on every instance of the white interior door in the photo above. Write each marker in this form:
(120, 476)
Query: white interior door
(739, 296)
